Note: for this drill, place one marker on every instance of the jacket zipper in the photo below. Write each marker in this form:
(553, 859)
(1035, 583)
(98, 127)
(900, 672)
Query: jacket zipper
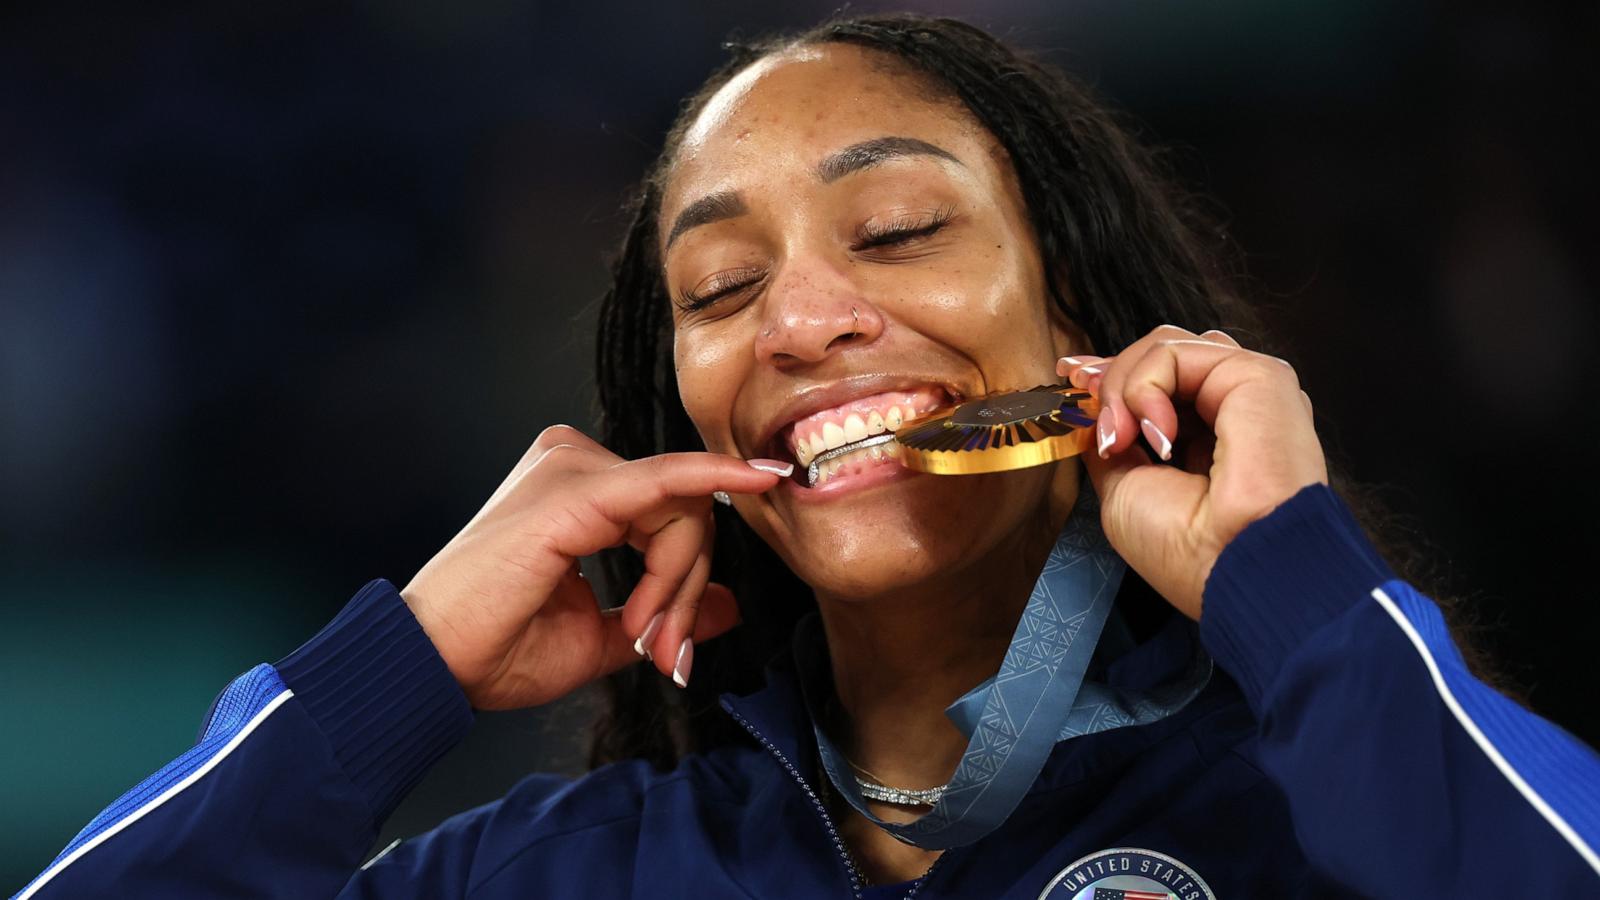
(822, 811)
(925, 876)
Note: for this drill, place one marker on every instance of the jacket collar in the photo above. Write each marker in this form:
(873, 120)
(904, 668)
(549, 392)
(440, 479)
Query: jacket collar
(777, 715)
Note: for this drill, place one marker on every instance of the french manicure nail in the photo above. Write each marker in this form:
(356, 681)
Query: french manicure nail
(1082, 377)
(644, 639)
(1068, 362)
(1108, 430)
(680, 669)
(775, 466)
(722, 497)
(1156, 438)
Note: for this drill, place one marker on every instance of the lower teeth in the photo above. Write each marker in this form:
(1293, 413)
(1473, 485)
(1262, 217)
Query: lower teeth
(877, 447)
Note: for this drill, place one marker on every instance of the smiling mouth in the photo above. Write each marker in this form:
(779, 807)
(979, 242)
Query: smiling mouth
(857, 435)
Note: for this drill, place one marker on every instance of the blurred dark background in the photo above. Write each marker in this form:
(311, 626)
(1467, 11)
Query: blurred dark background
(285, 290)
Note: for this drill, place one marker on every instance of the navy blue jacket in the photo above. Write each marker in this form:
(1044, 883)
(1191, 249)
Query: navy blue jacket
(1346, 752)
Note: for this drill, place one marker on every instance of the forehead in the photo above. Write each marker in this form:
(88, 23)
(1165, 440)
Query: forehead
(786, 112)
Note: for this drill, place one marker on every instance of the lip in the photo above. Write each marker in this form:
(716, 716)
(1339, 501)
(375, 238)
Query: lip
(817, 398)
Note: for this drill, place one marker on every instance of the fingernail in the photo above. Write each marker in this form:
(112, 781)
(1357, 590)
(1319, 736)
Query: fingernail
(722, 497)
(680, 669)
(1107, 428)
(1081, 377)
(1156, 438)
(1067, 362)
(775, 466)
(644, 639)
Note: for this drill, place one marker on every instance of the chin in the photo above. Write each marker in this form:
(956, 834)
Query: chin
(910, 532)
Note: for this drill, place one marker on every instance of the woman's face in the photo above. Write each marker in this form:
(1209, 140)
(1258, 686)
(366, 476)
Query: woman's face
(855, 251)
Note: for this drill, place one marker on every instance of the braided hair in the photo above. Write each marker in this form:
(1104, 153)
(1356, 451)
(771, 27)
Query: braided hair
(1135, 250)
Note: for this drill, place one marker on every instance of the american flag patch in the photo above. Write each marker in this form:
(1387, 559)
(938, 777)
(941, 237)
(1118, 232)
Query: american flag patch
(1118, 894)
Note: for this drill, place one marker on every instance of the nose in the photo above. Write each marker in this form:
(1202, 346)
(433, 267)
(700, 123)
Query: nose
(811, 314)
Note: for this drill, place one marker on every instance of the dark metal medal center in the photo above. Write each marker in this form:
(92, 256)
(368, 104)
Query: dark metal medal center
(1004, 409)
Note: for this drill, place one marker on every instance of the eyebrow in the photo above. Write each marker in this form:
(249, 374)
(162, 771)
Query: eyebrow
(854, 158)
(708, 209)
(867, 154)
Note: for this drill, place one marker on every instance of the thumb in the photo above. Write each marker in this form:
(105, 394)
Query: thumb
(1107, 476)
(718, 613)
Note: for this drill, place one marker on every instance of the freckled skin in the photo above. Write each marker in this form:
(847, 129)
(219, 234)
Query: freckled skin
(966, 305)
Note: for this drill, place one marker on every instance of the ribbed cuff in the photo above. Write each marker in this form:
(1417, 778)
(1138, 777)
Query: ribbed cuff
(374, 684)
(1284, 576)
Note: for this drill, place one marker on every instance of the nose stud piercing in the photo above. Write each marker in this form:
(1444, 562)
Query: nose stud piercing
(855, 316)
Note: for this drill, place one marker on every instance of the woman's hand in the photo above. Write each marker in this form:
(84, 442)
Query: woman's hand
(1241, 435)
(513, 617)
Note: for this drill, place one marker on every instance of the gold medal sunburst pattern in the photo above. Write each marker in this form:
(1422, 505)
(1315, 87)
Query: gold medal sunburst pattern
(1001, 431)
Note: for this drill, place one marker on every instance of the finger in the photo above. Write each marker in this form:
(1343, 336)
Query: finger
(719, 612)
(562, 434)
(671, 553)
(632, 489)
(674, 647)
(1088, 377)
(1117, 428)
(1138, 398)
(578, 452)
(1067, 364)
(1198, 372)
(1107, 475)
(1219, 336)
(1197, 451)
(1148, 388)
(597, 511)
(1104, 384)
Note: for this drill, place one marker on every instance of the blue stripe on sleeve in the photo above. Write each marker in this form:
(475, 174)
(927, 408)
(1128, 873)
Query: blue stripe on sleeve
(1557, 774)
(235, 709)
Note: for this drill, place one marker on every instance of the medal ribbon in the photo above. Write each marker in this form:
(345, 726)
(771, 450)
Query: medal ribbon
(1038, 697)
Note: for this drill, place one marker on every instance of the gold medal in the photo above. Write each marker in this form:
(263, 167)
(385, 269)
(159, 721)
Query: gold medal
(1000, 432)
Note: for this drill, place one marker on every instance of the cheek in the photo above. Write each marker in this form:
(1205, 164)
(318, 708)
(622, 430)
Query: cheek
(988, 300)
(708, 370)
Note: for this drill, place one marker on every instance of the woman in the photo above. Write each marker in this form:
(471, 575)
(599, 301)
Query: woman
(874, 218)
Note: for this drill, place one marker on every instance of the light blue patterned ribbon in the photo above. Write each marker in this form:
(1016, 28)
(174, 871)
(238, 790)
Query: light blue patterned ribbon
(1038, 697)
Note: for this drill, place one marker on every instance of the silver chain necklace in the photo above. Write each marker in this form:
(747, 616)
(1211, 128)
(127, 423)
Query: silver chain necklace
(883, 793)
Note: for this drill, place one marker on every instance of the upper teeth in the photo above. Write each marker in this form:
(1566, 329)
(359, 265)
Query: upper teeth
(855, 428)
(858, 423)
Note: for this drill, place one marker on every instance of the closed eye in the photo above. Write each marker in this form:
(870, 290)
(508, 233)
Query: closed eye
(902, 229)
(718, 286)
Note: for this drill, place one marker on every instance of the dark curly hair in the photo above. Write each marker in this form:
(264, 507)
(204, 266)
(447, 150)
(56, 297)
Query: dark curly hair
(1137, 252)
